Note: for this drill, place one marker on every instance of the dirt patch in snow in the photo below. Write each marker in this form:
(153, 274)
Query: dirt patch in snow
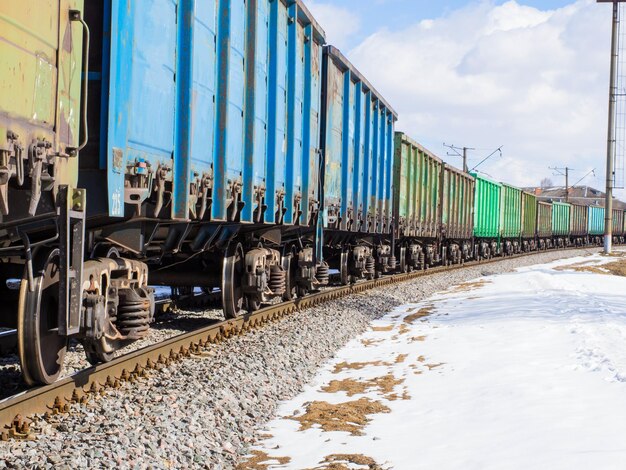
(421, 313)
(382, 328)
(351, 416)
(348, 462)
(615, 268)
(385, 386)
(357, 365)
(371, 342)
(261, 461)
(417, 338)
(469, 286)
(400, 359)
(434, 366)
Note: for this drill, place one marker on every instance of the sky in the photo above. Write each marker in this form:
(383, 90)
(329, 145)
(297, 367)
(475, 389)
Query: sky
(531, 75)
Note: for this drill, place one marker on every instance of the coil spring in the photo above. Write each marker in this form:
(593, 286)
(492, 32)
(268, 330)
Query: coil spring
(134, 313)
(370, 265)
(278, 280)
(393, 262)
(322, 273)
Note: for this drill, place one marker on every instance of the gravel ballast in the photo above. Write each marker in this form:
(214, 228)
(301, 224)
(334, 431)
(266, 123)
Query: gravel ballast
(205, 411)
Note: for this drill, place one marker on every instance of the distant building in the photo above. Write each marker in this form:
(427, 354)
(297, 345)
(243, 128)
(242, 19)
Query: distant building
(583, 195)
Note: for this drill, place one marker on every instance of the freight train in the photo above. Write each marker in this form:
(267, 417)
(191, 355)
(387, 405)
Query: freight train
(219, 144)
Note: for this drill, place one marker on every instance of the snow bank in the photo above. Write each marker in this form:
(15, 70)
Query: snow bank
(517, 371)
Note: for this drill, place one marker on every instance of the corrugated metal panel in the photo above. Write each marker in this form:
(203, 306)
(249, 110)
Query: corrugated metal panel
(242, 82)
(511, 218)
(487, 207)
(578, 220)
(529, 215)
(618, 222)
(595, 220)
(40, 84)
(544, 219)
(417, 190)
(560, 219)
(457, 204)
(358, 149)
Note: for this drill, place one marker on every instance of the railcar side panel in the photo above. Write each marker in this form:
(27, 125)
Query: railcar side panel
(560, 218)
(544, 219)
(417, 191)
(40, 93)
(457, 204)
(529, 215)
(578, 220)
(618, 222)
(595, 220)
(358, 150)
(511, 218)
(487, 208)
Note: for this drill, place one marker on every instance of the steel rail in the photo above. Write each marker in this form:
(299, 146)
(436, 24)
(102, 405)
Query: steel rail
(58, 397)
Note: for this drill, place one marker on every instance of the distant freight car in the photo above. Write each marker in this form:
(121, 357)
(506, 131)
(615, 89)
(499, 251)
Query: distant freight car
(511, 219)
(457, 208)
(357, 147)
(618, 226)
(487, 216)
(433, 202)
(595, 224)
(529, 221)
(560, 223)
(544, 225)
(578, 224)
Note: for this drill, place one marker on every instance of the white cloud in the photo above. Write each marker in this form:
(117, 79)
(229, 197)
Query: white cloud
(485, 75)
(339, 23)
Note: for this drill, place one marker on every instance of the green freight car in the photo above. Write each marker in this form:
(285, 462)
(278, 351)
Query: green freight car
(416, 203)
(618, 226)
(529, 221)
(578, 224)
(487, 216)
(431, 202)
(544, 225)
(457, 205)
(561, 212)
(511, 219)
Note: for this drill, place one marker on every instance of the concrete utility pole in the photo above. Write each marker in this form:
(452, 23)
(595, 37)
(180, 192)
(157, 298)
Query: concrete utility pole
(457, 154)
(564, 172)
(610, 148)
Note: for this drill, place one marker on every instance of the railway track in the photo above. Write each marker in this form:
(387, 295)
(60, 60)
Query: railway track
(80, 387)
(8, 341)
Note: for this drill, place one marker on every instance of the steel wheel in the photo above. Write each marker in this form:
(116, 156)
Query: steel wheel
(290, 267)
(403, 267)
(252, 305)
(344, 271)
(41, 349)
(232, 291)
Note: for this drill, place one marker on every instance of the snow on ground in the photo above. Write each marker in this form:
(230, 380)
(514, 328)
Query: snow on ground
(517, 371)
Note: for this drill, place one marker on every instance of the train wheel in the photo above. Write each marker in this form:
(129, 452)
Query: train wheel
(232, 291)
(290, 266)
(98, 357)
(41, 349)
(403, 267)
(344, 271)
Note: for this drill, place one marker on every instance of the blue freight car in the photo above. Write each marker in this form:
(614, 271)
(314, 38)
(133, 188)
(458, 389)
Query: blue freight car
(210, 123)
(201, 164)
(357, 145)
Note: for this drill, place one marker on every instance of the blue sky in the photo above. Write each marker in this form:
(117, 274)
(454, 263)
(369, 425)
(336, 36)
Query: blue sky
(392, 14)
(531, 75)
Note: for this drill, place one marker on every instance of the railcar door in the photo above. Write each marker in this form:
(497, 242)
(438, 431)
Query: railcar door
(142, 97)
